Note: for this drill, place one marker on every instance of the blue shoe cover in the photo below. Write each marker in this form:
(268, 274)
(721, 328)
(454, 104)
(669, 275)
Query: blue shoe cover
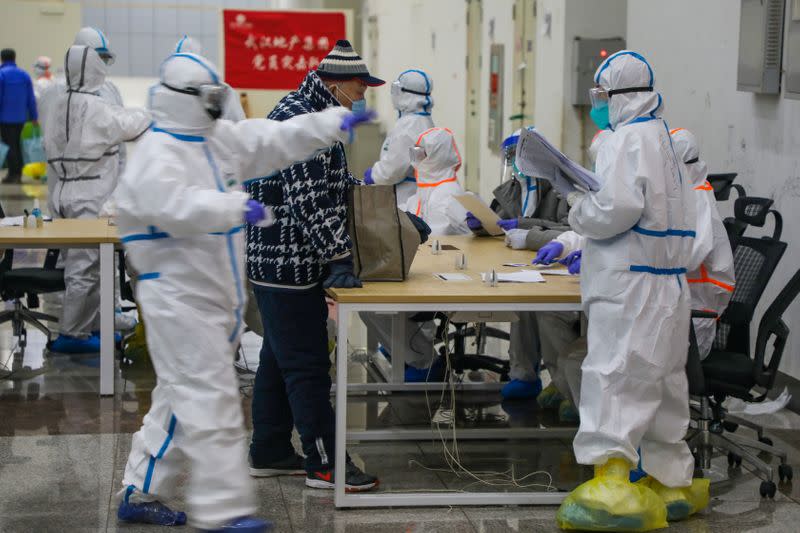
(117, 336)
(637, 474)
(516, 389)
(245, 524)
(150, 513)
(423, 375)
(73, 345)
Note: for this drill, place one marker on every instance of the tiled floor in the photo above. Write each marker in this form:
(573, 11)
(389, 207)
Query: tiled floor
(63, 450)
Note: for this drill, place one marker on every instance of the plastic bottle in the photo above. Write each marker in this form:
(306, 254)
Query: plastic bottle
(37, 213)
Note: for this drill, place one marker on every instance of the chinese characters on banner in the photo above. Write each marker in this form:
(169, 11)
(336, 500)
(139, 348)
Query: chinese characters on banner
(276, 49)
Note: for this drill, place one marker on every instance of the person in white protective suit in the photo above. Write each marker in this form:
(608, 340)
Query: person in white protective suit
(42, 76)
(638, 231)
(180, 212)
(81, 138)
(436, 160)
(108, 91)
(411, 97)
(233, 104)
(712, 283)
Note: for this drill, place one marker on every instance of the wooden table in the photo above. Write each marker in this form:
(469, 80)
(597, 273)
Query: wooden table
(422, 291)
(84, 233)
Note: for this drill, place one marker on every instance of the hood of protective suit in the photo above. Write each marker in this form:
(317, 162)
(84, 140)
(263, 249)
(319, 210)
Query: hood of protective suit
(597, 141)
(411, 92)
(629, 70)
(686, 149)
(188, 45)
(442, 159)
(84, 69)
(179, 112)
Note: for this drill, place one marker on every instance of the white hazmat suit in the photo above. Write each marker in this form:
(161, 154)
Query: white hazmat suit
(437, 183)
(639, 229)
(180, 215)
(411, 97)
(711, 284)
(81, 139)
(233, 105)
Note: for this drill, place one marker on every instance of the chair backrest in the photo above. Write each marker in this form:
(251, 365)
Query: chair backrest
(722, 185)
(773, 326)
(751, 211)
(754, 261)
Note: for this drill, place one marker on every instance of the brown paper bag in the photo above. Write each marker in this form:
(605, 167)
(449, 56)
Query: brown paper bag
(385, 240)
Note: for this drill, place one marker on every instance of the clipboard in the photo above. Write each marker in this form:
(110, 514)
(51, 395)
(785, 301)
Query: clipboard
(482, 212)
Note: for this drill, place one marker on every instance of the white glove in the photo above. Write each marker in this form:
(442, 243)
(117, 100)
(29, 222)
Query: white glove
(574, 197)
(515, 238)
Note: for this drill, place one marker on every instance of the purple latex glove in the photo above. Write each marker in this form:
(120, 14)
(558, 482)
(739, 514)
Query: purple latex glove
(548, 253)
(473, 223)
(254, 212)
(508, 223)
(368, 177)
(353, 120)
(573, 262)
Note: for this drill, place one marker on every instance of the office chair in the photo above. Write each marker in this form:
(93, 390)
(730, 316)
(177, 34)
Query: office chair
(722, 185)
(751, 211)
(730, 371)
(30, 283)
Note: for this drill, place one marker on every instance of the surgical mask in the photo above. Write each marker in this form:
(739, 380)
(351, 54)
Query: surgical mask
(600, 117)
(212, 95)
(356, 106)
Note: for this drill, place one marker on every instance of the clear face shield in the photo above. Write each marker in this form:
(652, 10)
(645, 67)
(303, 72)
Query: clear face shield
(106, 55)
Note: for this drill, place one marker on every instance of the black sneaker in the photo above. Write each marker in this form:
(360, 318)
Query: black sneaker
(355, 480)
(291, 466)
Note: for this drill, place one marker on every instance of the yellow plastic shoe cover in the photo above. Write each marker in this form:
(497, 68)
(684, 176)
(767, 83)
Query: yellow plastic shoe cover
(550, 397)
(35, 170)
(681, 502)
(610, 502)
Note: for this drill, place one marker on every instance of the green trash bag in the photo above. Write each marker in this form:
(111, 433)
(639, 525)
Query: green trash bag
(610, 502)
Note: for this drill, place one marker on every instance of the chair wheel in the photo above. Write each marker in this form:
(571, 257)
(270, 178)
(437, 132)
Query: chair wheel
(765, 440)
(785, 473)
(768, 489)
(730, 427)
(734, 459)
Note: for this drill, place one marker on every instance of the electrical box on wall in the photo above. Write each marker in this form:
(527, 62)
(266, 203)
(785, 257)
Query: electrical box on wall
(496, 53)
(587, 54)
(760, 46)
(793, 53)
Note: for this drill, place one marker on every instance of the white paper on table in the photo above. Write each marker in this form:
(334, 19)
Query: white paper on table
(452, 276)
(523, 276)
(482, 212)
(537, 157)
(12, 221)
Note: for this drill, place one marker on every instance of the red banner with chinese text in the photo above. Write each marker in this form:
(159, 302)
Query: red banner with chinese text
(276, 49)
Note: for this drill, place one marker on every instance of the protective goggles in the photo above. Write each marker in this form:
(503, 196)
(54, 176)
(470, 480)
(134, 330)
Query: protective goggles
(599, 97)
(417, 155)
(106, 55)
(397, 88)
(212, 96)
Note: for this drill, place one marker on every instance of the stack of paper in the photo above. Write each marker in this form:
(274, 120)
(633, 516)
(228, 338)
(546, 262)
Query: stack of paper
(523, 276)
(538, 158)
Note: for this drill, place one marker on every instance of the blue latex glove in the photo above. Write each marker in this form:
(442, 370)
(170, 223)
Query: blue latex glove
(508, 223)
(341, 274)
(368, 177)
(254, 212)
(572, 262)
(353, 120)
(548, 253)
(473, 223)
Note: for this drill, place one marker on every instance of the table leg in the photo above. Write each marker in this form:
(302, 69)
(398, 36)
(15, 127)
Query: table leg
(343, 322)
(106, 319)
(398, 347)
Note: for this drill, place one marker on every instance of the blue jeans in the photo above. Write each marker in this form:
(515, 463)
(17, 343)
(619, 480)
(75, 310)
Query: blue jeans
(292, 385)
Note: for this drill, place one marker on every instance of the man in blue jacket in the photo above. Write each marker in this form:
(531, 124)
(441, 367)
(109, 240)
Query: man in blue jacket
(17, 106)
(290, 264)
